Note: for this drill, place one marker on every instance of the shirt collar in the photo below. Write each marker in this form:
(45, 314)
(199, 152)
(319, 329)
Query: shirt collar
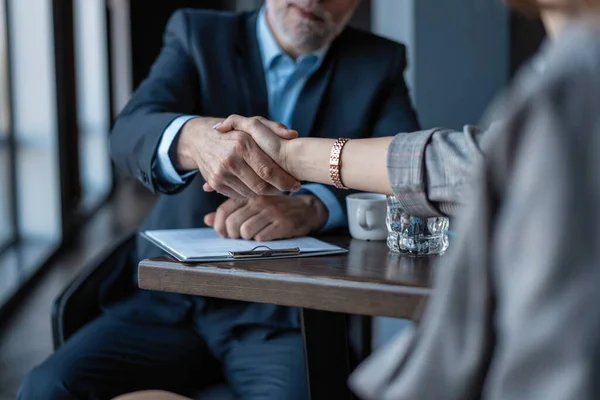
(270, 49)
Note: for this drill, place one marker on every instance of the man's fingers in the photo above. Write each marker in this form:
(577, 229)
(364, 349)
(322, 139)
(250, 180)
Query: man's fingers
(223, 212)
(255, 126)
(270, 172)
(229, 124)
(223, 126)
(258, 185)
(209, 219)
(252, 226)
(252, 126)
(236, 219)
(279, 129)
(232, 187)
(272, 231)
(247, 185)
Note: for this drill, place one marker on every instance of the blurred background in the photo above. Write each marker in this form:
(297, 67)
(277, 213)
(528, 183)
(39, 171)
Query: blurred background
(67, 67)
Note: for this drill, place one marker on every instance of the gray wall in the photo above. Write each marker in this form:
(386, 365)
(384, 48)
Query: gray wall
(458, 52)
(462, 57)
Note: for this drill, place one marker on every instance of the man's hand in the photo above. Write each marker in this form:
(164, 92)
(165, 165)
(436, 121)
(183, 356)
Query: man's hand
(265, 218)
(232, 163)
(272, 137)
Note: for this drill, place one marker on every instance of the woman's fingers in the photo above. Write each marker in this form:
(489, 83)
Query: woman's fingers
(250, 126)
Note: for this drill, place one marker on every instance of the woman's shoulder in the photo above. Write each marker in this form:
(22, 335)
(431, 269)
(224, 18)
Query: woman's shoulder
(574, 59)
(564, 76)
(569, 65)
(552, 109)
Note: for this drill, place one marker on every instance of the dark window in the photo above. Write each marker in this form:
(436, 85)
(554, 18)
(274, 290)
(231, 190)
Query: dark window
(7, 224)
(55, 115)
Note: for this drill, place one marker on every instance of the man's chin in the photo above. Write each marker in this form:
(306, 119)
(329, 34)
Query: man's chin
(304, 36)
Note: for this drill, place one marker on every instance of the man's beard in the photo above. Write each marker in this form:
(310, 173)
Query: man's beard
(306, 34)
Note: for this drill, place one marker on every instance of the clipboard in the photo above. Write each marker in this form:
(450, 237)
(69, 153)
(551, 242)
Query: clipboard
(264, 251)
(205, 245)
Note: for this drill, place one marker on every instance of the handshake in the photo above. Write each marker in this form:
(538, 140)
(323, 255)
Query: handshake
(238, 157)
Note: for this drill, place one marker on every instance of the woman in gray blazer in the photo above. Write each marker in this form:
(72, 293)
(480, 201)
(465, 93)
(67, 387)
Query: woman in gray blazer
(515, 313)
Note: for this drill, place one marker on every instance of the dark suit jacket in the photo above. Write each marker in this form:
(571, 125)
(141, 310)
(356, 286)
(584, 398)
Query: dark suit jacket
(210, 65)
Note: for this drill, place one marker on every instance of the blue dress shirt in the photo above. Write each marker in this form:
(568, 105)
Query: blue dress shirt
(285, 78)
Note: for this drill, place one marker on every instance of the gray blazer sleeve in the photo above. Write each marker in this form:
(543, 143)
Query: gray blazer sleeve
(430, 171)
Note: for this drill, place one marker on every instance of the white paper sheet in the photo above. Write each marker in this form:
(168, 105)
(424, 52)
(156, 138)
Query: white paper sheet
(204, 244)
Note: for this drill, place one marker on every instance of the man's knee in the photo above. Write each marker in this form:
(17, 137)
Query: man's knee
(269, 369)
(46, 382)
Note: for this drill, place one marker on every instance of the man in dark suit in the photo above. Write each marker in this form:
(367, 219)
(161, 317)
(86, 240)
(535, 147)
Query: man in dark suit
(293, 62)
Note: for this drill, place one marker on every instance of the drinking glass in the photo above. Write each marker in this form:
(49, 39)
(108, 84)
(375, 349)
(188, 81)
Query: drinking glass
(414, 235)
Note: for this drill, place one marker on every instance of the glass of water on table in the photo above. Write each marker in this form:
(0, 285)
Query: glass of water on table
(414, 235)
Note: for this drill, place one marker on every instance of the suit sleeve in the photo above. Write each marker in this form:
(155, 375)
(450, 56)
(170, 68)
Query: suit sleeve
(166, 94)
(396, 113)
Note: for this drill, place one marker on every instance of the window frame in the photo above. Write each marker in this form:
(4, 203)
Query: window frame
(8, 139)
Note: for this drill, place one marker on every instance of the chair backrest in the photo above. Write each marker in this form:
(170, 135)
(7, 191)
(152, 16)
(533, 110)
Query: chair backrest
(79, 303)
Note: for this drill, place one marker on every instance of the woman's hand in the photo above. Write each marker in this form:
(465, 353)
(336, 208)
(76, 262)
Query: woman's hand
(364, 161)
(271, 137)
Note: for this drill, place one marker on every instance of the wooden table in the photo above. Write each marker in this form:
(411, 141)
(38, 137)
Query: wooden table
(368, 280)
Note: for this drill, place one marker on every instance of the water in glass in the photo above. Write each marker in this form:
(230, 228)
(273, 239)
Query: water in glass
(414, 235)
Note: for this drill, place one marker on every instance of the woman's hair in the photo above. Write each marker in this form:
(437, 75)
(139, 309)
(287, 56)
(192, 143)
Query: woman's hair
(528, 6)
(534, 6)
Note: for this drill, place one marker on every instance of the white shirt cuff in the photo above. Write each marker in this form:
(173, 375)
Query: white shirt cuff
(337, 217)
(165, 171)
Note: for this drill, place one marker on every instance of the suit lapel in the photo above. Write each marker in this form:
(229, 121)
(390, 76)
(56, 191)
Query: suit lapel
(311, 96)
(250, 71)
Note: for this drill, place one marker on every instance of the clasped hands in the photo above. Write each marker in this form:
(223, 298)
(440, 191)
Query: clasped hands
(245, 159)
(272, 139)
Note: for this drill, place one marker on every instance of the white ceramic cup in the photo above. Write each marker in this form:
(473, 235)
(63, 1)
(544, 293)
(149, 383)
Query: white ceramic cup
(366, 216)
